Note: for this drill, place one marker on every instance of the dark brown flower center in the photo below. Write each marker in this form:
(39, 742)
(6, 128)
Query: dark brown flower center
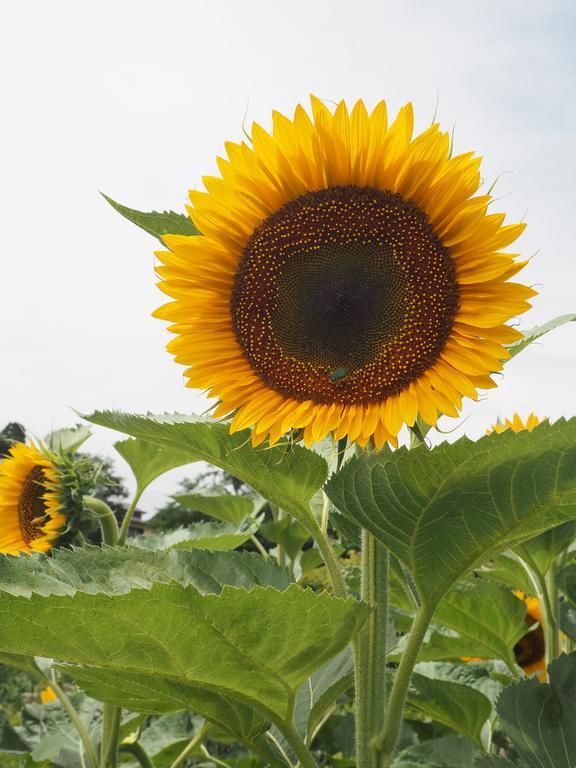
(531, 648)
(31, 506)
(344, 295)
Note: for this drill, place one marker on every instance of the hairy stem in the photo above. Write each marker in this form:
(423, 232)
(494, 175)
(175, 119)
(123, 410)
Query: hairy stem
(305, 757)
(388, 737)
(370, 652)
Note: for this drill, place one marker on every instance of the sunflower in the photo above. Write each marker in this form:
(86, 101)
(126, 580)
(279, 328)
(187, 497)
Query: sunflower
(515, 424)
(31, 513)
(47, 695)
(530, 650)
(348, 278)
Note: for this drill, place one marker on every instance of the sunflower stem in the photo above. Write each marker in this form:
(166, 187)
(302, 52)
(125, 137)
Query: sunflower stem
(387, 739)
(75, 718)
(322, 540)
(110, 736)
(128, 519)
(137, 751)
(194, 742)
(553, 635)
(305, 757)
(105, 517)
(547, 593)
(370, 652)
(278, 515)
(111, 713)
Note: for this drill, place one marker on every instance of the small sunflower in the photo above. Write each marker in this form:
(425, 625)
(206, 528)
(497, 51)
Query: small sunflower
(515, 424)
(47, 695)
(31, 493)
(530, 650)
(348, 278)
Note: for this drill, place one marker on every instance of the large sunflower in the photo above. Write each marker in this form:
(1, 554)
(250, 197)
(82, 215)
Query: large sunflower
(31, 513)
(348, 278)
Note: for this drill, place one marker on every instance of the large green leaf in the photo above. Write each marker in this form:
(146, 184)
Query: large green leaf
(485, 620)
(447, 752)
(257, 646)
(231, 509)
(204, 535)
(445, 511)
(148, 460)
(118, 570)
(540, 717)
(537, 332)
(287, 476)
(155, 223)
(460, 707)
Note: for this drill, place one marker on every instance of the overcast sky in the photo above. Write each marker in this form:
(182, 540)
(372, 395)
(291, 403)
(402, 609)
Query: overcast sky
(136, 98)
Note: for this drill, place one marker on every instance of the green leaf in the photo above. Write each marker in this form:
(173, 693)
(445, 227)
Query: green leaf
(317, 695)
(542, 550)
(508, 572)
(568, 619)
(148, 460)
(287, 476)
(540, 717)
(115, 571)
(567, 581)
(459, 707)
(227, 507)
(155, 223)
(204, 535)
(67, 440)
(493, 761)
(447, 752)
(286, 532)
(540, 330)
(174, 637)
(487, 619)
(445, 511)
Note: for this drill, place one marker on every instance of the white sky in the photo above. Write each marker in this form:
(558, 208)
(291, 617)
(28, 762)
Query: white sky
(136, 98)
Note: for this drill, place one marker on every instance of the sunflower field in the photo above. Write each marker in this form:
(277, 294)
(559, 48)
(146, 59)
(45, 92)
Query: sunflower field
(378, 596)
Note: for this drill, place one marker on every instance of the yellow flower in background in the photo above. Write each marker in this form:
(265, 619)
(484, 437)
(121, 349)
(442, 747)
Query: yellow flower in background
(31, 514)
(47, 695)
(515, 424)
(530, 650)
(348, 278)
